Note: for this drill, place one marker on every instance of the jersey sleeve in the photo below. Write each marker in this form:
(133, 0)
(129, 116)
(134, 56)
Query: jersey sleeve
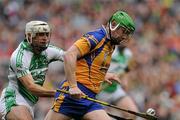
(19, 65)
(55, 53)
(83, 45)
(88, 42)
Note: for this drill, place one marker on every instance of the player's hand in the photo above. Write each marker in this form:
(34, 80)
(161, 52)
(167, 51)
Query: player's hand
(75, 92)
(109, 77)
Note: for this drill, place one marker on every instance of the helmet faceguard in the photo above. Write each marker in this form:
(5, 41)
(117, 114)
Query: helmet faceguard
(121, 20)
(33, 30)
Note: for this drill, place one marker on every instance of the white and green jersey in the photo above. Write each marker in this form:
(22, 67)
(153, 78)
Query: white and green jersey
(23, 61)
(119, 62)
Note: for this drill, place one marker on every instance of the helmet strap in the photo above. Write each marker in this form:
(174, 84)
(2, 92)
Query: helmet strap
(110, 30)
(29, 38)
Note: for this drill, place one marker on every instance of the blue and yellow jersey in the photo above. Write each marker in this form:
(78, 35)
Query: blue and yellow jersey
(96, 51)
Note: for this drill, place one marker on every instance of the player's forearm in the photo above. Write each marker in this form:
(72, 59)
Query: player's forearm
(40, 91)
(70, 67)
(35, 89)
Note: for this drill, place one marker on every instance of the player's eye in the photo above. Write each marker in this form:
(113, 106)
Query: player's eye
(43, 34)
(125, 31)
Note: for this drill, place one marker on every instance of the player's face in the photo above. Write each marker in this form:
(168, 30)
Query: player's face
(120, 36)
(41, 41)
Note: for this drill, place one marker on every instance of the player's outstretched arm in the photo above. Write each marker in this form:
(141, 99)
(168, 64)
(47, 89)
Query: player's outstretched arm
(70, 59)
(35, 89)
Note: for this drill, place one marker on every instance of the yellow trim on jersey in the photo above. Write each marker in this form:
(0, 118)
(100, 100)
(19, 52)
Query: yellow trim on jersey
(58, 102)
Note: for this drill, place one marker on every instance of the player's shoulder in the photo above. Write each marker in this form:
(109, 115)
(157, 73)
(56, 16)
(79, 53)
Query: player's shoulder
(20, 55)
(98, 34)
(18, 51)
(51, 47)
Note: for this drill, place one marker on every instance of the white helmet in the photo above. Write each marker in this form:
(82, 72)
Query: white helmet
(34, 27)
(31, 30)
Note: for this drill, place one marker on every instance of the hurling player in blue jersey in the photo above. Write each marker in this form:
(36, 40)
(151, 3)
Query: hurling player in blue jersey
(86, 63)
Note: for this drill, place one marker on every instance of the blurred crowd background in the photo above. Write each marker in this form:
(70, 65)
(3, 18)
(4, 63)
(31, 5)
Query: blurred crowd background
(154, 83)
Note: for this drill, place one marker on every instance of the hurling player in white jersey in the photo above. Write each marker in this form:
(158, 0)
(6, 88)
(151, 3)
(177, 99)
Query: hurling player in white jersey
(122, 62)
(27, 70)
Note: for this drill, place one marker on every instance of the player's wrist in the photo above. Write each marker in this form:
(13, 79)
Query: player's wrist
(73, 86)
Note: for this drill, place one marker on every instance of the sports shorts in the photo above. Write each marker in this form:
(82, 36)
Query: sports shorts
(74, 108)
(112, 97)
(10, 97)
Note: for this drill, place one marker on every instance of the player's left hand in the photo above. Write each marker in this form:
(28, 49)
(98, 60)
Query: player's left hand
(109, 77)
(75, 92)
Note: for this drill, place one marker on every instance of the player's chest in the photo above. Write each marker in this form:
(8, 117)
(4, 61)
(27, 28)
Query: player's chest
(102, 55)
(38, 62)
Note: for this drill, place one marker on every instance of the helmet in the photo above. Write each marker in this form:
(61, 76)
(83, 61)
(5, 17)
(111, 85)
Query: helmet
(122, 19)
(31, 31)
(34, 27)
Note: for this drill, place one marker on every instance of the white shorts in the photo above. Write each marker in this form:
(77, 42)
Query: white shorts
(112, 97)
(11, 97)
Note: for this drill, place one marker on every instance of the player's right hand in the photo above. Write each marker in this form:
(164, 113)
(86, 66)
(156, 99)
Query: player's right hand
(75, 92)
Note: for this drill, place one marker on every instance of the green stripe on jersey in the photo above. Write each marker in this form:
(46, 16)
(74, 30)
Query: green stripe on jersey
(10, 98)
(25, 93)
(19, 56)
(38, 67)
